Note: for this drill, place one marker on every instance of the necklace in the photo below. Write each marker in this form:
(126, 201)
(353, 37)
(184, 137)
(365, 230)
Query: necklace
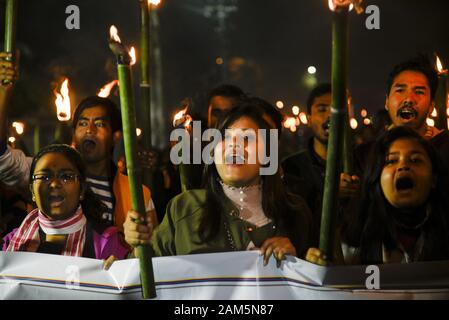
(229, 237)
(248, 202)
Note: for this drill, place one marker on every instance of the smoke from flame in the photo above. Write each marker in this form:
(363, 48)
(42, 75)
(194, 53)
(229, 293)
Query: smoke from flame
(62, 102)
(107, 88)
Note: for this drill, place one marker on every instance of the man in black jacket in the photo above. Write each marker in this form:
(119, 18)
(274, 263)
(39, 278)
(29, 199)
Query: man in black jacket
(304, 171)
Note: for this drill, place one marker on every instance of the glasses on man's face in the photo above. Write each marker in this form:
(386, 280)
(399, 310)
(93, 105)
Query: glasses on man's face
(63, 177)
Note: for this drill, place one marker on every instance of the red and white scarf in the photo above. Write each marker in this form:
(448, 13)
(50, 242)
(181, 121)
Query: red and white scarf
(27, 236)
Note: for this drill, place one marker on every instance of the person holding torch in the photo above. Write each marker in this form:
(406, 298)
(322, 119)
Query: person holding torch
(96, 129)
(239, 208)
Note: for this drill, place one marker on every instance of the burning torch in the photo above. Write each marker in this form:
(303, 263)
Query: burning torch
(183, 120)
(63, 110)
(124, 61)
(441, 96)
(339, 109)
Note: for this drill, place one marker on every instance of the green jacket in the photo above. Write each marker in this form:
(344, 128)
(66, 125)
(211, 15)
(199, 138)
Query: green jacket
(178, 232)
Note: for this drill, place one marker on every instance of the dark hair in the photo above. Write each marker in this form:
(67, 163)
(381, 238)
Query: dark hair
(226, 90)
(112, 110)
(92, 207)
(267, 109)
(371, 223)
(422, 64)
(284, 209)
(318, 91)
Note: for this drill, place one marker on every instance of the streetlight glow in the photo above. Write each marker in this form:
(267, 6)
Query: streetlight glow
(311, 70)
(280, 104)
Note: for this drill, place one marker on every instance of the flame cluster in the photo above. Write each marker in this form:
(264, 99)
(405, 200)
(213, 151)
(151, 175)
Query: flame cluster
(113, 33)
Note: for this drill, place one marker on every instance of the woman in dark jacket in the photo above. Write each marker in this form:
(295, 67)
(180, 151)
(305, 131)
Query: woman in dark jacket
(239, 208)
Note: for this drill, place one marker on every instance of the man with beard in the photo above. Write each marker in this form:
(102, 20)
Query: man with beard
(304, 171)
(96, 129)
(411, 89)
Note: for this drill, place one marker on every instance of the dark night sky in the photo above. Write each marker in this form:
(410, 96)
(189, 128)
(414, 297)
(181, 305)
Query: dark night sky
(276, 39)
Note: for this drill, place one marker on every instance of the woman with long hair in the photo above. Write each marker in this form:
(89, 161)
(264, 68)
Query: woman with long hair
(67, 220)
(238, 209)
(401, 215)
(403, 210)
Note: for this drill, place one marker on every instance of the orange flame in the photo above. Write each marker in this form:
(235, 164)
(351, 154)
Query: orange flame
(353, 123)
(19, 126)
(182, 117)
(154, 2)
(434, 113)
(333, 4)
(439, 67)
(113, 31)
(107, 88)
(133, 55)
(430, 122)
(63, 102)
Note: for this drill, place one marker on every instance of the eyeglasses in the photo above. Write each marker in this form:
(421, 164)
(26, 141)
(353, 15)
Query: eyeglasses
(63, 177)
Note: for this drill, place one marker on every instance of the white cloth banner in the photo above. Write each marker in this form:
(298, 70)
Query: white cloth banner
(223, 276)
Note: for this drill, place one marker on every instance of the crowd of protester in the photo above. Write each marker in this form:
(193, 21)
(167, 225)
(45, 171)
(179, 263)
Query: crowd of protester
(76, 200)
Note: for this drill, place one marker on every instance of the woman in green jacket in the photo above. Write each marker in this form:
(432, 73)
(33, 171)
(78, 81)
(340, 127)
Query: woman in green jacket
(239, 209)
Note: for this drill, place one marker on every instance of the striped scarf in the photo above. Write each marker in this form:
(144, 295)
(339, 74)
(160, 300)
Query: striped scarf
(27, 236)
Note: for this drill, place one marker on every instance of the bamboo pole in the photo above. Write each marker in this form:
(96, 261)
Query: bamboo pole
(36, 139)
(145, 83)
(134, 172)
(58, 132)
(336, 134)
(10, 30)
(10, 26)
(145, 78)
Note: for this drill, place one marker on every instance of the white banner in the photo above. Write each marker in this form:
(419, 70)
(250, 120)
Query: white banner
(223, 276)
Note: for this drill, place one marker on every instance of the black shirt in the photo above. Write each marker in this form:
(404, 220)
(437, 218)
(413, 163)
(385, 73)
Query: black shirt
(304, 174)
